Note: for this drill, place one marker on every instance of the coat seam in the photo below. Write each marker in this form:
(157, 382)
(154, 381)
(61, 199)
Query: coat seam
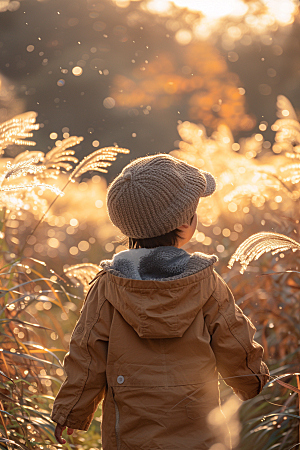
(86, 373)
(161, 289)
(240, 341)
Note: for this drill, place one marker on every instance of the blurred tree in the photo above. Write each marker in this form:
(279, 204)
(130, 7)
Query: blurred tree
(199, 76)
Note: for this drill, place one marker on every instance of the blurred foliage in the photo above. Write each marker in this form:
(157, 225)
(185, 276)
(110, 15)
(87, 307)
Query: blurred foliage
(214, 93)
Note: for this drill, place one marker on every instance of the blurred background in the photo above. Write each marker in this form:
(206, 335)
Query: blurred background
(128, 74)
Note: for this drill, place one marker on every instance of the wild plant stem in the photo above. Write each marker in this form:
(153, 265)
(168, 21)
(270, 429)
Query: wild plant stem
(298, 386)
(44, 215)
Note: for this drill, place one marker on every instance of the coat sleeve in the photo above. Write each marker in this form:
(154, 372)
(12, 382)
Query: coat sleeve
(85, 366)
(238, 356)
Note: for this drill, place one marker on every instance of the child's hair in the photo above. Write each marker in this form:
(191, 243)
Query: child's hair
(168, 239)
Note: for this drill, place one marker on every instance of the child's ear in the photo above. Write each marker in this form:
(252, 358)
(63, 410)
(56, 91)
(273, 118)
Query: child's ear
(183, 227)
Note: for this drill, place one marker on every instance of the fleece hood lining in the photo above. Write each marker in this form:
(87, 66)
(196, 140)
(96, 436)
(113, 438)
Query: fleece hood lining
(158, 264)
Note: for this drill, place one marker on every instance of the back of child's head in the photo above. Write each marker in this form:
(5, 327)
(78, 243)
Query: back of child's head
(154, 195)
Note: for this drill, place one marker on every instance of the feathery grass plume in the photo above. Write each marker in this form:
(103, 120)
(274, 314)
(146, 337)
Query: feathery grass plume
(97, 161)
(29, 187)
(291, 173)
(242, 179)
(16, 130)
(35, 164)
(242, 191)
(28, 154)
(21, 169)
(57, 160)
(258, 244)
(285, 108)
(287, 127)
(287, 139)
(84, 273)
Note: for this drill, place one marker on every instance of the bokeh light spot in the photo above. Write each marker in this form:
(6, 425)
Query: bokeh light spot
(99, 26)
(109, 103)
(73, 251)
(226, 232)
(77, 71)
(53, 242)
(263, 126)
(233, 56)
(271, 72)
(207, 240)
(232, 207)
(238, 227)
(109, 247)
(183, 37)
(74, 222)
(200, 237)
(217, 231)
(83, 246)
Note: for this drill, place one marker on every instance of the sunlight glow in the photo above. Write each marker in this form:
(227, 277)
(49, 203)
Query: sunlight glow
(256, 16)
(158, 6)
(214, 10)
(283, 11)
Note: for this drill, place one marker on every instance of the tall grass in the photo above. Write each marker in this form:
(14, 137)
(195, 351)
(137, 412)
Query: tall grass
(254, 216)
(271, 420)
(38, 307)
(257, 193)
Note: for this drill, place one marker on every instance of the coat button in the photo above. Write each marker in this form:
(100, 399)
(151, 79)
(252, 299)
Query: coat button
(120, 379)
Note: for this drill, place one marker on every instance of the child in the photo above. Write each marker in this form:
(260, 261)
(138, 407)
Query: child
(158, 324)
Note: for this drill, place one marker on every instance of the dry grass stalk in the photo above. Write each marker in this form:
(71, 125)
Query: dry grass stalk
(258, 244)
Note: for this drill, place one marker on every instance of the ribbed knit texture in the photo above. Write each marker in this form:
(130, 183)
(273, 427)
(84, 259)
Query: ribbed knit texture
(155, 194)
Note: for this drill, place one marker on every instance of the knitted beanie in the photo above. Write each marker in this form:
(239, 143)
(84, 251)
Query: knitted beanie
(155, 194)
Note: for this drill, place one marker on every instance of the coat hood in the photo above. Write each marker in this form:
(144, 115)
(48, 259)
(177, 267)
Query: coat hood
(159, 291)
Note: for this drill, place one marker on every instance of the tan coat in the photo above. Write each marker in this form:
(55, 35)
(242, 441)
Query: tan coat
(152, 350)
